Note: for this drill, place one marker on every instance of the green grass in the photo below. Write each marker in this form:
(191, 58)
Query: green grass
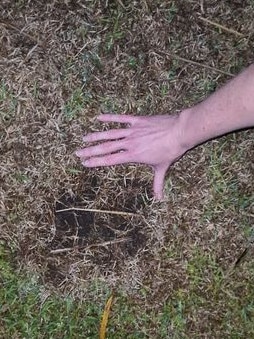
(75, 104)
(109, 104)
(171, 12)
(214, 296)
(115, 33)
(25, 313)
(8, 104)
(226, 193)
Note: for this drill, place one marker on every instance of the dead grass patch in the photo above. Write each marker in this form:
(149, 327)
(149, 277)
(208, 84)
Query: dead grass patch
(64, 62)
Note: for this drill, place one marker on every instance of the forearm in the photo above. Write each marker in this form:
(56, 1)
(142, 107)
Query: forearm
(228, 109)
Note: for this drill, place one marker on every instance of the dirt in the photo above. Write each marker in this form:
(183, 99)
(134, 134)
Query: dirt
(84, 229)
(108, 236)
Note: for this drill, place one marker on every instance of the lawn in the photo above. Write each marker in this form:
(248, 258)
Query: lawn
(72, 237)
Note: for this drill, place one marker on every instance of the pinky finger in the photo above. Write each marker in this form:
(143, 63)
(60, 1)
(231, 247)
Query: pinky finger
(108, 160)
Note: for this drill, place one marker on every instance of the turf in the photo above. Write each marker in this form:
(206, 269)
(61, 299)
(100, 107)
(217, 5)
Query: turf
(173, 266)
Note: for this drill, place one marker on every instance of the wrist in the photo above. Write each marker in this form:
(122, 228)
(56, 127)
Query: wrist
(199, 125)
(189, 131)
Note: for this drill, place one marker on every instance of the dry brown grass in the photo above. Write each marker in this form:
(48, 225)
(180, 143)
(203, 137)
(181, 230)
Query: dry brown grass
(61, 64)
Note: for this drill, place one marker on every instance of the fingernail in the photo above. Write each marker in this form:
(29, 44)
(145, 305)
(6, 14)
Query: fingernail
(78, 153)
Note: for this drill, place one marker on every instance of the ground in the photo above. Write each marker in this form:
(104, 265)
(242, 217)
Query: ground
(70, 237)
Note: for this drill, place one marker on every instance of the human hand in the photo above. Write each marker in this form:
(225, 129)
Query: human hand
(155, 141)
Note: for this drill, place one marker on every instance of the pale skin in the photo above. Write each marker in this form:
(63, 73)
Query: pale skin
(159, 141)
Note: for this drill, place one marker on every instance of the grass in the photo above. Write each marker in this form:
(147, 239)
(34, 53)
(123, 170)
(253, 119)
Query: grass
(8, 103)
(63, 64)
(75, 104)
(29, 311)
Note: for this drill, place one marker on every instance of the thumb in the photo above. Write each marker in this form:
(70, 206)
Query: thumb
(158, 182)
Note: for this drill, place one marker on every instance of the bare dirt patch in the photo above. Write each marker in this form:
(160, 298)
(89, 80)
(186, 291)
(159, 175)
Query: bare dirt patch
(110, 235)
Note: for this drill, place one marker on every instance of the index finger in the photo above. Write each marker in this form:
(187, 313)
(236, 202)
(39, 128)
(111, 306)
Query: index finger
(121, 118)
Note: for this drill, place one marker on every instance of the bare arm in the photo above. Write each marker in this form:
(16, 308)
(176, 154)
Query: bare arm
(228, 109)
(160, 140)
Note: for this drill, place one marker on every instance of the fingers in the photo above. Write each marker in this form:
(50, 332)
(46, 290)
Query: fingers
(107, 135)
(124, 118)
(158, 182)
(104, 148)
(108, 160)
